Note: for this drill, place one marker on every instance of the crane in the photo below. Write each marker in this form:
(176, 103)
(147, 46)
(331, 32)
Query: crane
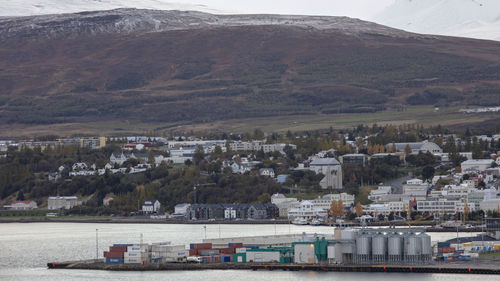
(420, 219)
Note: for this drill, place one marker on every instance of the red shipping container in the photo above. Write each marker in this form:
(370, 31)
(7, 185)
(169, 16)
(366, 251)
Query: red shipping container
(227, 251)
(202, 246)
(193, 252)
(113, 255)
(118, 249)
(235, 245)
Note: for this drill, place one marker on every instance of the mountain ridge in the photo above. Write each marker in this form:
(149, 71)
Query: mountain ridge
(241, 70)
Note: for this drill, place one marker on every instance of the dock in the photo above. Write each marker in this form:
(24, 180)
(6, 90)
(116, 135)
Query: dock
(435, 268)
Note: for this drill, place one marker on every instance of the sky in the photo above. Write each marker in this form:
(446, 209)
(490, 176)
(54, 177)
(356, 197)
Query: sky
(363, 9)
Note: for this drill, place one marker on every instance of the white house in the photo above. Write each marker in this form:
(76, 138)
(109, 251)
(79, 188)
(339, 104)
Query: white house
(79, 166)
(107, 200)
(151, 206)
(268, 172)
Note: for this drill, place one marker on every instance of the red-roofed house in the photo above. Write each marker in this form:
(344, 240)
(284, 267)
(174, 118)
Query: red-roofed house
(22, 205)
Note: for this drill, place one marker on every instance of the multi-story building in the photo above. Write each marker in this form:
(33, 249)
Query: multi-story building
(331, 169)
(416, 147)
(62, 202)
(325, 202)
(444, 205)
(306, 211)
(382, 191)
(258, 145)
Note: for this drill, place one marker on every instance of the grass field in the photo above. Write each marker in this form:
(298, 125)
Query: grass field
(425, 115)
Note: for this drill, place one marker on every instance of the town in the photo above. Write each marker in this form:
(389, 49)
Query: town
(363, 175)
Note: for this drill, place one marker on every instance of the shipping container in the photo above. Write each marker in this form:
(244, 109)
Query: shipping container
(263, 256)
(240, 250)
(443, 244)
(113, 254)
(235, 245)
(209, 252)
(134, 254)
(118, 248)
(201, 246)
(133, 260)
(122, 245)
(137, 248)
(251, 247)
(193, 252)
(225, 258)
(114, 260)
(228, 251)
(240, 257)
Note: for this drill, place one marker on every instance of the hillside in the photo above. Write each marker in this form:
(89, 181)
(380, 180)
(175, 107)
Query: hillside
(178, 68)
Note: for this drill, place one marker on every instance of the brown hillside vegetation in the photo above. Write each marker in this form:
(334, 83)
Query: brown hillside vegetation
(233, 72)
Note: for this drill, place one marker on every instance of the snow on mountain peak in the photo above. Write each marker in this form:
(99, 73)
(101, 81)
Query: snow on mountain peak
(468, 18)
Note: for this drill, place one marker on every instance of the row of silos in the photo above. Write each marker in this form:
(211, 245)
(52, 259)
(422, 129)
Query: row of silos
(392, 248)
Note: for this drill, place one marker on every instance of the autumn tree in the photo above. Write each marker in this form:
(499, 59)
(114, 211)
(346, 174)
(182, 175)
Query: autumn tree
(359, 209)
(408, 149)
(466, 212)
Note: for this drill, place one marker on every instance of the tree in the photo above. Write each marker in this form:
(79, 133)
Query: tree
(359, 209)
(198, 155)
(408, 149)
(466, 212)
(428, 172)
(393, 148)
(20, 195)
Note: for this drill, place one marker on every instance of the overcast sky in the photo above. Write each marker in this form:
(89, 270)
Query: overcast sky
(364, 9)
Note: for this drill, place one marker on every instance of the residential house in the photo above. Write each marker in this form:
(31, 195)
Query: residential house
(22, 205)
(150, 206)
(107, 200)
(268, 172)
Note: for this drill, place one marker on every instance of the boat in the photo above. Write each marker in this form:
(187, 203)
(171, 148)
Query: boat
(315, 222)
(451, 224)
(299, 221)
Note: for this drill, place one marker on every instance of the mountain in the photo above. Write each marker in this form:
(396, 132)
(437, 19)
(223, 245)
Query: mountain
(466, 18)
(177, 68)
(46, 7)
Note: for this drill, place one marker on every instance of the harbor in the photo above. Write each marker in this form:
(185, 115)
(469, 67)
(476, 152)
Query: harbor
(390, 249)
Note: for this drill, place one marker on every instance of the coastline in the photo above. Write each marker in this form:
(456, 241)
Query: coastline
(136, 220)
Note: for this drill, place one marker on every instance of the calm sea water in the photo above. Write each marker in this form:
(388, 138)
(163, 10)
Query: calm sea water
(25, 250)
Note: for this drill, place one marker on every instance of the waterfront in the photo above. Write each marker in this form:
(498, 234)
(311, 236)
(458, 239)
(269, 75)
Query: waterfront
(26, 248)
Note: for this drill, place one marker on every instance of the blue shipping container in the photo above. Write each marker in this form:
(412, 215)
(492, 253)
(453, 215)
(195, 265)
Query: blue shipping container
(114, 260)
(443, 244)
(251, 247)
(225, 259)
(191, 246)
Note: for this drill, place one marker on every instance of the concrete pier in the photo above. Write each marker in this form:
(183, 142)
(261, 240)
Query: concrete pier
(493, 269)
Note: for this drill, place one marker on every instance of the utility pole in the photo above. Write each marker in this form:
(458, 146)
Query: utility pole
(96, 244)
